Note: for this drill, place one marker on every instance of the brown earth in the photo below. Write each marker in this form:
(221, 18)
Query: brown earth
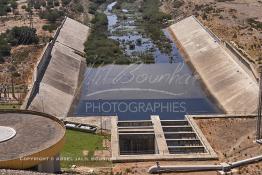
(233, 139)
(228, 19)
(24, 58)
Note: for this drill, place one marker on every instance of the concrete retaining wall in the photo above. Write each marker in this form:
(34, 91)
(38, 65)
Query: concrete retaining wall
(225, 80)
(60, 71)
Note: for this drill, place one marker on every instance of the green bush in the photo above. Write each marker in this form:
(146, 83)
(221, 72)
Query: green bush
(92, 8)
(99, 1)
(50, 27)
(50, 3)
(56, 3)
(3, 10)
(52, 15)
(65, 2)
(153, 22)
(178, 3)
(99, 48)
(37, 5)
(254, 23)
(43, 3)
(4, 48)
(22, 35)
(24, 7)
(78, 8)
(13, 4)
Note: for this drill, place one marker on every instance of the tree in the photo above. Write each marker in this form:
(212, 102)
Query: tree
(4, 48)
(13, 4)
(51, 15)
(22, 35)
(3, 11)
(65, 2)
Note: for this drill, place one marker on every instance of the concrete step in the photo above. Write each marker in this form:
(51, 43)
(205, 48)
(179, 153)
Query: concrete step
(177, 128)
(186, 149)
(183, 142)
(174, 122)
(180, 135)
(134, 123)
(135, 127)
(135, 130)
(137, 133)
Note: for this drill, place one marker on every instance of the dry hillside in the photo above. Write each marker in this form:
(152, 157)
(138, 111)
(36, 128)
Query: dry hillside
(239, 21)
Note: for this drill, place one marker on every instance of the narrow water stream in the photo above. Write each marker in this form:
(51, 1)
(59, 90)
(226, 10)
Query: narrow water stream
(167, 88)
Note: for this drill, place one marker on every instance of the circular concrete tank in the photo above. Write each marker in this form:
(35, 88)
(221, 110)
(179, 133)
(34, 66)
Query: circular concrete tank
(28, 138)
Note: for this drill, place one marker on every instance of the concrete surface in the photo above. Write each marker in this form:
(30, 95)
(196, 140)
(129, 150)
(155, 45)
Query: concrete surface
(163, 153)
(225, 80)
(34, 133)
(114, 138)
(159, 135)
(61, 80)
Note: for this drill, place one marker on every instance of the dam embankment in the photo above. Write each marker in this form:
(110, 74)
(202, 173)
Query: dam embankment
(59, 73)
(227, 81)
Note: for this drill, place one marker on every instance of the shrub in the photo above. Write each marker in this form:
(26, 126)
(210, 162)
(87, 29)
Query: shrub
(254, 23)
(178, 3)
(24, 7)
(37, 5)
(4, 48)
(99, 1)
(51, 15)
(153, 23)
(56, 3)
(43, 3)
(78, 8)
(13, 4)
(22, 35)
(50, 27)
(50, 3)
(99, 48)
(65, 2)
(3, 10)
(92, 8)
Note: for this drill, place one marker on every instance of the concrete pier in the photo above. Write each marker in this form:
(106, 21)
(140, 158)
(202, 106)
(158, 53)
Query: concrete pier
(159, 135)
(227, 81)
(114, 138)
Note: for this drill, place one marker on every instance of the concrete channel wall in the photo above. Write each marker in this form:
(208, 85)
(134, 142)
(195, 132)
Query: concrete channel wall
(60, 71)
(226, 80)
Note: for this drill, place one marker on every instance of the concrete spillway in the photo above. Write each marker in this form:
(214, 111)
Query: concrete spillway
(59, 72)
(225, 79)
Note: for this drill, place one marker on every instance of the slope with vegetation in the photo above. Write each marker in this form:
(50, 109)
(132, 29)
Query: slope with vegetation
(99, 48)
(153, 20)
(239, 21)
(7, 6)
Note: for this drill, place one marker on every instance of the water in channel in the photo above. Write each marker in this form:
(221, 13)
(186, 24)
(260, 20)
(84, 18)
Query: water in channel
(167, 88)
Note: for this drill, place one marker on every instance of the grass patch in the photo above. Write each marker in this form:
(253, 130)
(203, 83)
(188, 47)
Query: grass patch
(76, 143)
(10, 106)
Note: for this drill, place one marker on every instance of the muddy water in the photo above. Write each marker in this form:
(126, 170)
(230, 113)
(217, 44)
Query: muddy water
(167, 88)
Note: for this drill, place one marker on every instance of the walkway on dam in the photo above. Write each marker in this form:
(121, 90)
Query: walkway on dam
(57, 77)
(225, 79)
